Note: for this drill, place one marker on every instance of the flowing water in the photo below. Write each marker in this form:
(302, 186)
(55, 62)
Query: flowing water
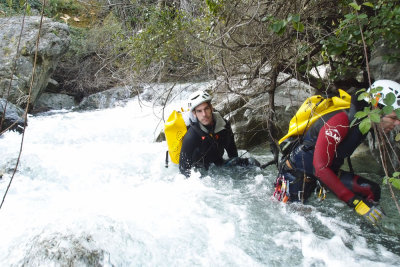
(92, 190)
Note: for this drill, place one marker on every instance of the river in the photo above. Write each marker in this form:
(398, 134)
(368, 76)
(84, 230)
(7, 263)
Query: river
(92, 190)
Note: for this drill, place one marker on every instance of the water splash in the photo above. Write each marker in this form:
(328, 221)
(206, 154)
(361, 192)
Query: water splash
(92, 190)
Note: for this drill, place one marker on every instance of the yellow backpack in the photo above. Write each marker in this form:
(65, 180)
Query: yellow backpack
(175, 129)
(312, 109)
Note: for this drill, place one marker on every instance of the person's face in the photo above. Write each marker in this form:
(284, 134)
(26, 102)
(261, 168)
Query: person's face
(203, 113)
(388, 122)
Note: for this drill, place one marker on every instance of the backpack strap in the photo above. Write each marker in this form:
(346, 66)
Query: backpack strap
(166, 159)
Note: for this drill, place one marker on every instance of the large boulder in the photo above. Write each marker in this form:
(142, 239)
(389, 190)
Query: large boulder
(53, 101)
(109, 98)
(379, 65)
(18, 38)
(249, 116)
(12, 118)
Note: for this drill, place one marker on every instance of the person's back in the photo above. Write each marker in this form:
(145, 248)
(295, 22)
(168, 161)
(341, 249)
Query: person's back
(323, 150)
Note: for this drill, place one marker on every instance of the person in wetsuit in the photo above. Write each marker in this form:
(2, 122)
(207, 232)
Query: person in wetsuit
(322, 152)
(207, 138)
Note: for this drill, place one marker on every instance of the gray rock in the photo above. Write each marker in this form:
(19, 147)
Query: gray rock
(107, 99)
(52, 86)
(249, 117)
(50, 101)
(53, 42)
(380, 67)
(13, 116)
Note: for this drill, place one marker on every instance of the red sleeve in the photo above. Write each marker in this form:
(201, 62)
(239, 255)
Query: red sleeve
(331, 134)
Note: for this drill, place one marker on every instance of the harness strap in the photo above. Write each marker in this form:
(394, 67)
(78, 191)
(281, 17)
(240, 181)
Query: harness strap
(281, 192)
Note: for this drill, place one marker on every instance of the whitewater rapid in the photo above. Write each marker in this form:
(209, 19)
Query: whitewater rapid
(91, 189)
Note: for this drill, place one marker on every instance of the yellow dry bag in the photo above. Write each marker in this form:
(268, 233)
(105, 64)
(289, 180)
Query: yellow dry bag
(312, 109)
(175, 129)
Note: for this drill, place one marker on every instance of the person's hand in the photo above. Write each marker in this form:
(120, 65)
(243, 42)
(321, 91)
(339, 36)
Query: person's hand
(371, 213)
(388, 122)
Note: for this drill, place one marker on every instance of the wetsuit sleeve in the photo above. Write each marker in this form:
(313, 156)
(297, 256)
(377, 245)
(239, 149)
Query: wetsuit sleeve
(189, 145)
(331, 134)
(231, 148)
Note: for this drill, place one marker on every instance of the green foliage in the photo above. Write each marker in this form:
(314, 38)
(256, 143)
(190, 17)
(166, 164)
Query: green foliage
(56, 8)
(375, 20)
(163, 39)
(215, 6)
(14, 7)
(279, 26)
(394, 180)
(79, 40)
(370, 115)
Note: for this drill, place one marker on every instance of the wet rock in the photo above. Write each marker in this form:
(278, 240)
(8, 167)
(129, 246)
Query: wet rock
(109, 98)
(52, 101)
(16, 67)
(13, 116)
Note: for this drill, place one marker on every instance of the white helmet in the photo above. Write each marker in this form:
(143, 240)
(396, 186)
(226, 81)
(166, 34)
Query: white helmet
(197, 98)
(388, 86)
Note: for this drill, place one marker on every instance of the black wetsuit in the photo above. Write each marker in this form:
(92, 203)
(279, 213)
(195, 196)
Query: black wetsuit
(202, 146)
(323, 150)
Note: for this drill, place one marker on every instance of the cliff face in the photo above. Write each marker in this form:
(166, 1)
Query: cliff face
(18, 38)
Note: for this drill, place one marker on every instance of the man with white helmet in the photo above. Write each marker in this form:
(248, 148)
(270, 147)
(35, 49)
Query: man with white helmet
(207, 137)
(325, 145)
(389, 121)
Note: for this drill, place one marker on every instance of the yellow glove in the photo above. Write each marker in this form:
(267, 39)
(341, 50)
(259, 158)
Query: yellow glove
(373, 214)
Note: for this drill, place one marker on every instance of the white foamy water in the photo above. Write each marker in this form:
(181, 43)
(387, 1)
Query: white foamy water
(92, 190)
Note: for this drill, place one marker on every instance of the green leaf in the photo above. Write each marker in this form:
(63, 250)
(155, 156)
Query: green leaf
(365, 125)
(395, 182)
(397, 110)
(349, 16)
(360, 114)
(385, 180)
(355, 6)
(298, 26)
(387, 110)
(353, 122)
(376, 90)
(376, 111)
(368, 4)
(279, 27)
(397, 138)
(389, 99)
(375, 117)
(361, 90)
(295, 18)
(336, 49)
(396, 174)
(363, 96)
(362, 16)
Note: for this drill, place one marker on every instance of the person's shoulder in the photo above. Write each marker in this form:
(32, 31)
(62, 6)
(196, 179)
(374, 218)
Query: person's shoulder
(220, 123)
(193, 129)
(218, 116)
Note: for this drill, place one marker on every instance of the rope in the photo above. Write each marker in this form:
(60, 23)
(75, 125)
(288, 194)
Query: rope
(28, 100)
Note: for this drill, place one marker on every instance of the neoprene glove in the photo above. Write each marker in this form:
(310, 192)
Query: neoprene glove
(371, 213)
